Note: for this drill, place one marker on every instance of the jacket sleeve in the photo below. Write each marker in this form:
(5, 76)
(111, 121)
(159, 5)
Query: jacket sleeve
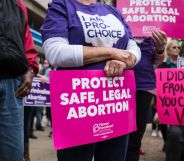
(30, 52)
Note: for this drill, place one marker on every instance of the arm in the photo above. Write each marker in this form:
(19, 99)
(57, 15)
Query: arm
(160, 40)
(77, 55)
(31, 55)
(130, 56)
(116, 67)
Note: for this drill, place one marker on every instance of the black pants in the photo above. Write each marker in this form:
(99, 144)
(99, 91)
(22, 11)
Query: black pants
(28, 112)
(32, 121)
(48, 114)
(109, 150)
(143, 100)
(175, 143)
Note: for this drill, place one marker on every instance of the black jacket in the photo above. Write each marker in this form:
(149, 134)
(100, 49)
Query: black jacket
(13, 61)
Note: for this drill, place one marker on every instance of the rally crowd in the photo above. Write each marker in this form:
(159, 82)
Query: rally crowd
(74, 40)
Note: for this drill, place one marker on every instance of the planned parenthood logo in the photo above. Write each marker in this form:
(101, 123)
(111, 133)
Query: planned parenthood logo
(103, 129)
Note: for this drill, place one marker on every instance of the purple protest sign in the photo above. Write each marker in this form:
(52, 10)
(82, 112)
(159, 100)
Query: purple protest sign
(88, 107)
(39, 95)
(144, 16)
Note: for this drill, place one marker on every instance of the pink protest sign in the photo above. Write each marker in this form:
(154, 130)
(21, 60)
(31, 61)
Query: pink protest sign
(170, 96)
(144, 16)
(88, 107)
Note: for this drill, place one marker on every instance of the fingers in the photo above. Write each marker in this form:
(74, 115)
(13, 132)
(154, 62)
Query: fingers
(23, 90)
(160, 39)
(25, 87)
(124, 56)
(130, 61)
(114, 68)
(43, 79)
(156, 37)
(117, 70)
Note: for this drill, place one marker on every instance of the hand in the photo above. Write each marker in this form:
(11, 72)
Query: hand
(156, 119)
(160, 39)
(114, 68)
(123, 56)
(25, 87)
(43, 79)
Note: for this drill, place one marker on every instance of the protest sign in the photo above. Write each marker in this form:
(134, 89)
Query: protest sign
(88, 107)
(170, 96)
(144, 16)
(39, 94)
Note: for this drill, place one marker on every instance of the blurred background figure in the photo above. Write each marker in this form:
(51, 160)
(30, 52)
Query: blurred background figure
(44, 76)
(174, 135)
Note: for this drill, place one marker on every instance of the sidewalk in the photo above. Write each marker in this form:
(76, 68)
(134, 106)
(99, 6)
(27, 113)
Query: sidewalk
(152, 147)
(41, 149)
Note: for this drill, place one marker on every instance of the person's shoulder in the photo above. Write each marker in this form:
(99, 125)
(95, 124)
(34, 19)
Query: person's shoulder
(21, 5)
(110, 8)
(23, 9)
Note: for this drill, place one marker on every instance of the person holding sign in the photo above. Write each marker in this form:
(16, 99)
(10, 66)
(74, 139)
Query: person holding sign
(152, 50)
(86, 34)
(175, 134)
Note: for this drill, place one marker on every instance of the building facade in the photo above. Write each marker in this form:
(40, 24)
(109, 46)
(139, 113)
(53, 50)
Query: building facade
(36, 13)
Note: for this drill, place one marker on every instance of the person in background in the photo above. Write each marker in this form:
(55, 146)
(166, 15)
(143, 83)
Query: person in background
(17, 69)
(44, 77)
(33, 112)
(152, 51)
(174, 134)
(69, 43)
(28, 114)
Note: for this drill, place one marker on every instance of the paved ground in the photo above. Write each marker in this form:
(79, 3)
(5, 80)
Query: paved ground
(152, 147)
(42, 148)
